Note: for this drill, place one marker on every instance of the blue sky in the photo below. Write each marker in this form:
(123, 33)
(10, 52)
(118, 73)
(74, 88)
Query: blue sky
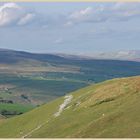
(75, 28)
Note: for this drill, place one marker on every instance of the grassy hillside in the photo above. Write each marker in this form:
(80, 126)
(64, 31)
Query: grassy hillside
(108, 109)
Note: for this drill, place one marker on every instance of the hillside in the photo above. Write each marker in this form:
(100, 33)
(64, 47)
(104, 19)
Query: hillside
(31, 78)
(108, 109)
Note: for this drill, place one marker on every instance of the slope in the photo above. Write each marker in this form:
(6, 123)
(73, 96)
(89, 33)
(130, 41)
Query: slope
(108, 109)
(34, 79)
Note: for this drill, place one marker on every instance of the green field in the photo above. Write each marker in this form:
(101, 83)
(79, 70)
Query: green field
(14, 109)
(105, 110)
(17, 107)
(37, 89)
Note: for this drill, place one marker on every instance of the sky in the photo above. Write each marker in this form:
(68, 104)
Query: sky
(72, 28)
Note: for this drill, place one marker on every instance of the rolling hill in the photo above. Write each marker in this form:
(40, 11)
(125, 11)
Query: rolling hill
(34, 79)
(108, 109)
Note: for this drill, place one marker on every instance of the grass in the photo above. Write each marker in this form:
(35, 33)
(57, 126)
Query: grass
(10, 110)
(107, 110)
(15, 107)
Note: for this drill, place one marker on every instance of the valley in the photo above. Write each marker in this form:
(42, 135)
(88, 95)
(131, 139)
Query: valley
(69, 70)
(35, 79)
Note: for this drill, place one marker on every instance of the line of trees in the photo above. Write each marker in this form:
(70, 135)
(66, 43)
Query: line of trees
(9, 113)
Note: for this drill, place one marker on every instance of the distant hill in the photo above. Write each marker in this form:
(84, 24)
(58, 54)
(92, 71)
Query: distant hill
(68, 66)
(12, 56)
(107, 110)
(131, 55)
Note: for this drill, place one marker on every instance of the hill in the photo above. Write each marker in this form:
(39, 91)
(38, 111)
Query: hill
(131, 55)
(33, 79)
(108, 109)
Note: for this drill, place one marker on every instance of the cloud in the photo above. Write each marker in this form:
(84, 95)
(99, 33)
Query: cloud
(125, 11)
(26, 19)
(13, 14)
(82, 14)
(9, 12)
(103, 13)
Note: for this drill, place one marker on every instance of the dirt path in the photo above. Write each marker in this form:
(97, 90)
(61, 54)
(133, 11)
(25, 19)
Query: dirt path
(67, 100)
(35, 129)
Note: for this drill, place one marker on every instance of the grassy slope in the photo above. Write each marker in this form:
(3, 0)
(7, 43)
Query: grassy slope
(15, 107)
(107, 109)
